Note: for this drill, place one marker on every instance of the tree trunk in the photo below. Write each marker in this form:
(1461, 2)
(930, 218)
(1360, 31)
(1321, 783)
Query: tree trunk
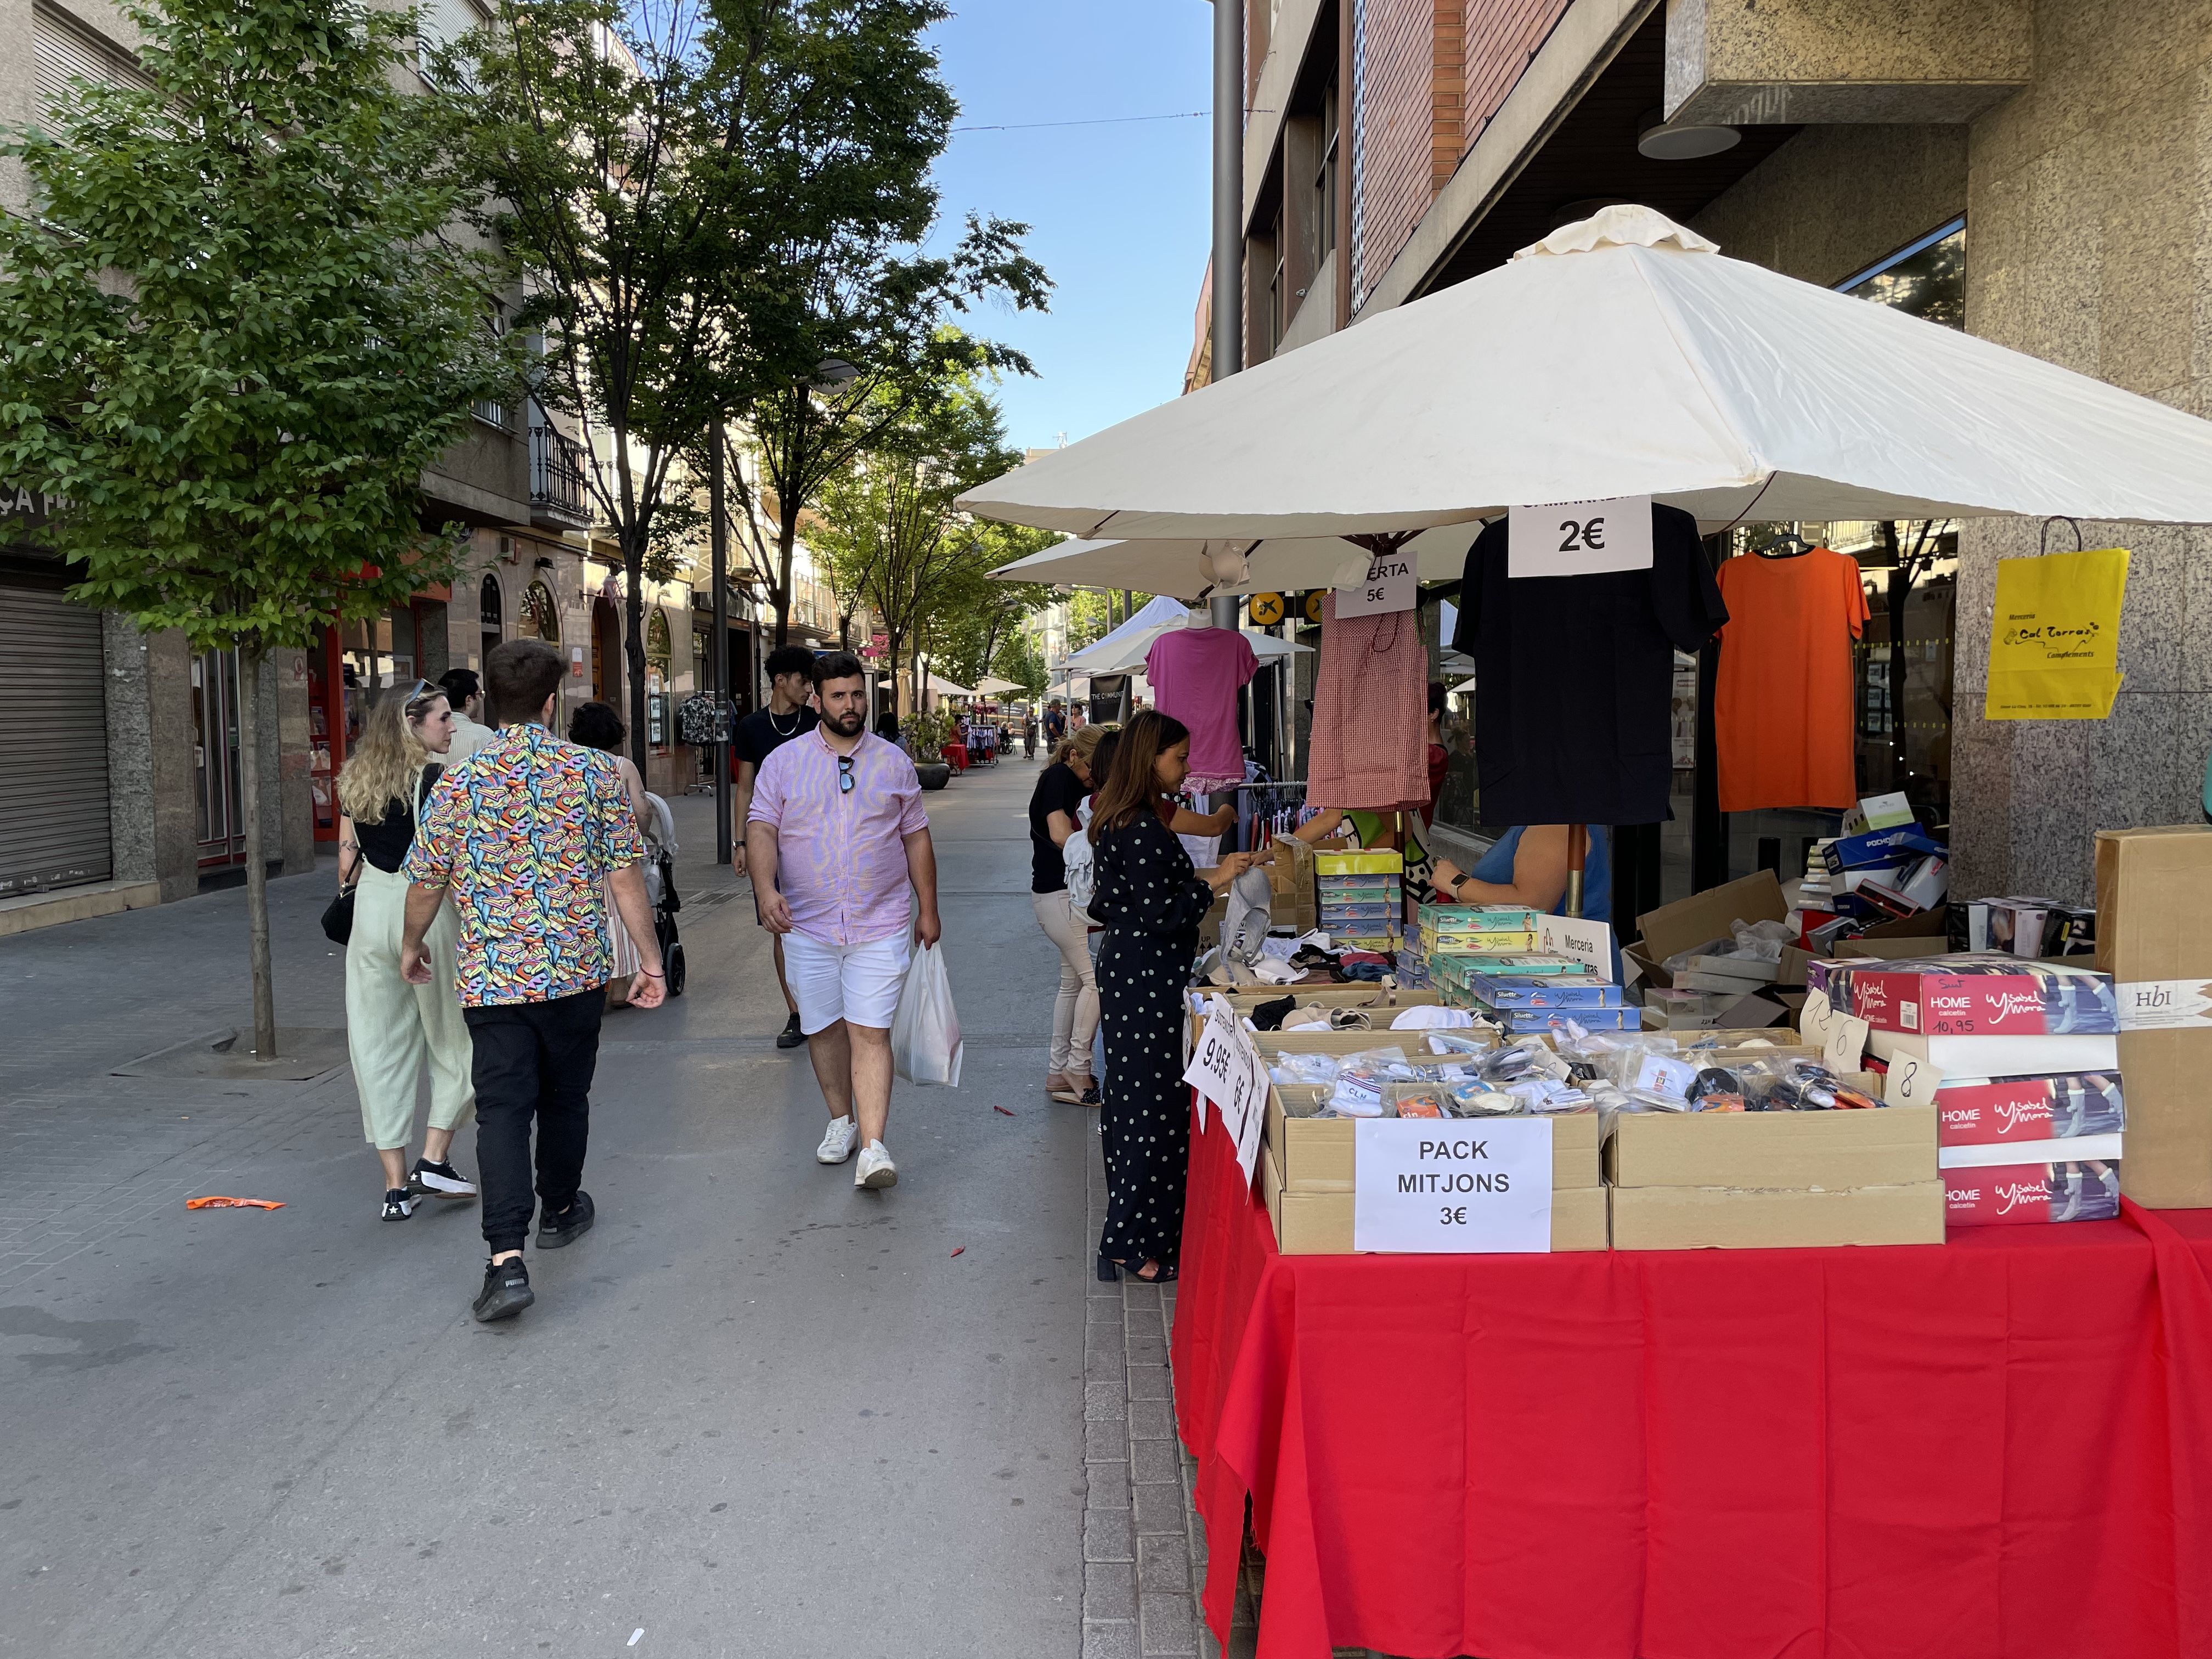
(640, 749)
(787, 538)
(257, 865)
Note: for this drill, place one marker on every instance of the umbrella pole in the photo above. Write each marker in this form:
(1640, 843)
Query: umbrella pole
(1578, 851)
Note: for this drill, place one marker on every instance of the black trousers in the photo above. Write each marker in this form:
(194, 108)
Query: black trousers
(533, 1059)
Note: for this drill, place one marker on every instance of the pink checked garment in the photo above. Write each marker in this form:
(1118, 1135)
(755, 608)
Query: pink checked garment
(1371, 714)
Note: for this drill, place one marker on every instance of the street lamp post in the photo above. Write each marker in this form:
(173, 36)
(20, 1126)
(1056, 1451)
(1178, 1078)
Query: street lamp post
(718, 658)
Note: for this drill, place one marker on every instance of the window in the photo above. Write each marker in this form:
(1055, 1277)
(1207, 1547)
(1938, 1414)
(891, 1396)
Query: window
(540, 619)
(491, 613)
(1926, 278)
(64, 50)
(1278, 298)
(490, 410)
(1325, 185)
(440, 24)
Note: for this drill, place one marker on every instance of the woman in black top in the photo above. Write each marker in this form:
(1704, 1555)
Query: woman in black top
(1150, 901)
(393, 1027)
(1059, 791)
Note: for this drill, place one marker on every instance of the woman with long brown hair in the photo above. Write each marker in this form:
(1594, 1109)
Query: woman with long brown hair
(393, 1027)
(1150, 901)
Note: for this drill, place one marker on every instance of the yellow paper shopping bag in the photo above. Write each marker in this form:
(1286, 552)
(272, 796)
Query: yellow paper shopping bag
(2055, 640)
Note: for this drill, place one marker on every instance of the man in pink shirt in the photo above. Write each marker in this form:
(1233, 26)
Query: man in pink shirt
(835, 840)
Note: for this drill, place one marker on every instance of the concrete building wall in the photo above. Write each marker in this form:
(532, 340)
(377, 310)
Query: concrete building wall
(1833, 200)
(2089, 242)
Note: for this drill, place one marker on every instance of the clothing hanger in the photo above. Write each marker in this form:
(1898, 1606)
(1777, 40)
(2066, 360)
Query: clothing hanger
(1790, 546)
(1198, 616)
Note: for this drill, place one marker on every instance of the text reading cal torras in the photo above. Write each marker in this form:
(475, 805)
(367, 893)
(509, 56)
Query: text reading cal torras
(1422, 1185)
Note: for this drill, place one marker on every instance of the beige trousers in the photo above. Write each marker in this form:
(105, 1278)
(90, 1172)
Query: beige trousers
(393, 1027)
(1075, 1010)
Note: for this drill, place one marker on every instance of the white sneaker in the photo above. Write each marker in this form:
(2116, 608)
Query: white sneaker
(876, 1169)
(837, 1140)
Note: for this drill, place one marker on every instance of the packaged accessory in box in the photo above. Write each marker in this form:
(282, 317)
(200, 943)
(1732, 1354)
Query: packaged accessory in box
(1545, 991)
(1985, 995)
(1877, 846)
(2014, 1194)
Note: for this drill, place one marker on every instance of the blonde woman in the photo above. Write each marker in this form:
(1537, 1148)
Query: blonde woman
(392, 1026)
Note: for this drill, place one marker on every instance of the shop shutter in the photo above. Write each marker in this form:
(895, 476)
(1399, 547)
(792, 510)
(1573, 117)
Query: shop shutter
(64, 50)
(53, 743)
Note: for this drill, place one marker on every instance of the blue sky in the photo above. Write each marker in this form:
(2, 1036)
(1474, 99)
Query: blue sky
(1118, 214)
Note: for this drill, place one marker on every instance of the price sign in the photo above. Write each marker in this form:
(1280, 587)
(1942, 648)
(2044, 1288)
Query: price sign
(1590, 943)
(1254, 1097)
(1389, 585)
(1912, 1082)
(1214, 1065)
(1578, 539)
(1844, 1044)
(1452, 1186)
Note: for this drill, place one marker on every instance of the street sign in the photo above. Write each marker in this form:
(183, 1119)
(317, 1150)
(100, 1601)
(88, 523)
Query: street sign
(1265, 609)
(1447, 1186)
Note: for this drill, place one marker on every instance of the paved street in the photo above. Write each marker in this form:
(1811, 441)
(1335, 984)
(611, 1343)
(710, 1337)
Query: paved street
(755, 1412)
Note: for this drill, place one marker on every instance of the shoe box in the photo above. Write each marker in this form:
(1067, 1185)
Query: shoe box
(2010, 1194)
(1966, 996)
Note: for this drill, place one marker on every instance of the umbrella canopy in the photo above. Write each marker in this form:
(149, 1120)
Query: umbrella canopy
(1126, 655)
(1157, 611)
(992, 686)
(1176, 564)
(1623, 355)
(945, 688)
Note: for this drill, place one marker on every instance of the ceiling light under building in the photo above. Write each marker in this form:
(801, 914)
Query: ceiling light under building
(1658, 142)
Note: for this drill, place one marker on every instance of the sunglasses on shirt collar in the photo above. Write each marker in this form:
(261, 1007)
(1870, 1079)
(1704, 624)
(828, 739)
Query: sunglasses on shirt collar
(844, 774)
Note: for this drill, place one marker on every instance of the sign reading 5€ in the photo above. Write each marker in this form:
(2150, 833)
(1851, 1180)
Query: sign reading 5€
(1265, 609)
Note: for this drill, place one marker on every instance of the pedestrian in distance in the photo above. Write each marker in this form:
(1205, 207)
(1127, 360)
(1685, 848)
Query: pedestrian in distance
(465, 693)
(393, 1027)
(1054, 805)
(596, 726)
(529, 834)
(760, 734)
(837, 837)
(1150, 901)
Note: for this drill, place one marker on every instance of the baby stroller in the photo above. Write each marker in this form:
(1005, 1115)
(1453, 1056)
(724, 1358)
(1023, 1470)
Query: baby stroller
(661, 888)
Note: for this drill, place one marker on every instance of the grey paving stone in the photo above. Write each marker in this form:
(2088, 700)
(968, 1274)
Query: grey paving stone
(1106, 1486)
(1109, 1589)
(1147, 1350)
(1164, 1563)
(1109, 1535)
(1154, 1462)
(1106, 1442)
(1165, 1625)
(1150, 1419)
(1149, 1382)
(1109, 1638)
(1104, 1402)
(1160, 1510)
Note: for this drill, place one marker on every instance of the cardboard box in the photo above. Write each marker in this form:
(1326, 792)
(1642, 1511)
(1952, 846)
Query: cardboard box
(2154, 924)
(1905, 844)
(1985, 995)
(1721, 1217)
(1291, 885)
(1320, 1223)
(1315, 1155)
(1687, 923)
(2013, 1194)
(1827, 1151)
(1867, 948)
(1998, 1056)
(2081, 1149)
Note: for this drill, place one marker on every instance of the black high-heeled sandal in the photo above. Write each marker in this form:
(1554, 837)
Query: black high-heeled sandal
(1164, 1274)
(1109, 1271)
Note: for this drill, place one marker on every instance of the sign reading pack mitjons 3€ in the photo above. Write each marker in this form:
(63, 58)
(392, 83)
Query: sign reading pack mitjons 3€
(2055, 636)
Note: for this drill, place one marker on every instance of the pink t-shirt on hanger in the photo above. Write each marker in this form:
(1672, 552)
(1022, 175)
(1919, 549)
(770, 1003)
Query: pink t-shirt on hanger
(1195, 674)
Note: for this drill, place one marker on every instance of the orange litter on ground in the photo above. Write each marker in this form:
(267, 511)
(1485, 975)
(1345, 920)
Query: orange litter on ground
(232, 1204)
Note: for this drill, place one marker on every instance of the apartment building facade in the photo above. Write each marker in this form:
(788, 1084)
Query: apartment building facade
(2034, 171)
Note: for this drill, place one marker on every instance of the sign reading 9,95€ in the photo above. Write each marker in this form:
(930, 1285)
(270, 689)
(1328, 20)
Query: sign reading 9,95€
(1579, 539)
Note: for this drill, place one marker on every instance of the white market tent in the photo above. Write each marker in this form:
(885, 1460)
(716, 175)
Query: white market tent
(1621, 355)
(1124, 650)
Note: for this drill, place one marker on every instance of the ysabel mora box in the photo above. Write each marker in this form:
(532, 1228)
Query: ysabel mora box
(1986, 995)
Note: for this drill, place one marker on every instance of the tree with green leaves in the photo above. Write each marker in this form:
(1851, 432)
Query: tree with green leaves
(889, 531)
(233, 332)
(975, 621)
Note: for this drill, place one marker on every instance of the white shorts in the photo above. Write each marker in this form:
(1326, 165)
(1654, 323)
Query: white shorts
(856, 982)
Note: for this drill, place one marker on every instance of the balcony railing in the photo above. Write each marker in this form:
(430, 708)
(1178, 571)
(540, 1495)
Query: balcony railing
(556, 473)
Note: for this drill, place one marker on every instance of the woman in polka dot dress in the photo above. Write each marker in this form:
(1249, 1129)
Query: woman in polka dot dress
(1151, 902)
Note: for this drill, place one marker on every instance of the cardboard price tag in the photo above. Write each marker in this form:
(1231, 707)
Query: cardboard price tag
(1590, 943)
(1214, 1065)
(1844, 1044)
(1579, 539)
(1911, 1082)
(1440, 1188)
(1391, 584)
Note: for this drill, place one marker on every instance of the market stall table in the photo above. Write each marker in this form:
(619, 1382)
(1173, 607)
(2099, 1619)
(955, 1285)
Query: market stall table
(2001, 1446)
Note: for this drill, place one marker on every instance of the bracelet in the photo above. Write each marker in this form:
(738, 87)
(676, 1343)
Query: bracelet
(652, 973)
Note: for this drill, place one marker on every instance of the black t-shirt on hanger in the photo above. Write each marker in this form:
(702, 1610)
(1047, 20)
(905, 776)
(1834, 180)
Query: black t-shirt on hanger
(1575, 677)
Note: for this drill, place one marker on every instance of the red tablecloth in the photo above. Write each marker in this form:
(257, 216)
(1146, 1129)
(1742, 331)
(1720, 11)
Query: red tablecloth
(955, 754)
(2000, 1447)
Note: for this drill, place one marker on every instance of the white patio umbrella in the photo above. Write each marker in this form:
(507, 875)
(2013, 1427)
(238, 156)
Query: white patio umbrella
(1176, 565)
(1126, 655)
(1623, 355)
(945, 688)
(991, 686)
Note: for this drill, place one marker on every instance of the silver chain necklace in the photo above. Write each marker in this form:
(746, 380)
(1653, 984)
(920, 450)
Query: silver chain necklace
(779, 731)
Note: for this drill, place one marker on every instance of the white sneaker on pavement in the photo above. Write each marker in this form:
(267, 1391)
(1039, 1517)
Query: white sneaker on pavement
(876, 1169)
(837, 1140)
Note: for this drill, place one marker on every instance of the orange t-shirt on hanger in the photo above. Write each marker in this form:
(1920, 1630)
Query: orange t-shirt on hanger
(1781, 710)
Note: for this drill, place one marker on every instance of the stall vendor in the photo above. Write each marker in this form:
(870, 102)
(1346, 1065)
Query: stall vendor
(1527, 864)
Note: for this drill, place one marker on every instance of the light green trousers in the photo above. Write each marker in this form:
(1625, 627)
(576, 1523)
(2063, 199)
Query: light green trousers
(393, 1027)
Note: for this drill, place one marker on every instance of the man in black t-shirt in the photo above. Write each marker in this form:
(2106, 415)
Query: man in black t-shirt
(760, 734)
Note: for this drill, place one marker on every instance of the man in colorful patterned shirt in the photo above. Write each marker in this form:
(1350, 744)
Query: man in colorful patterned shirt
(527, 833)
(836, 839)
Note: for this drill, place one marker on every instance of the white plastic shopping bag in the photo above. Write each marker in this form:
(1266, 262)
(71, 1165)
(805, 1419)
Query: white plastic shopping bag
(925, 1032)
